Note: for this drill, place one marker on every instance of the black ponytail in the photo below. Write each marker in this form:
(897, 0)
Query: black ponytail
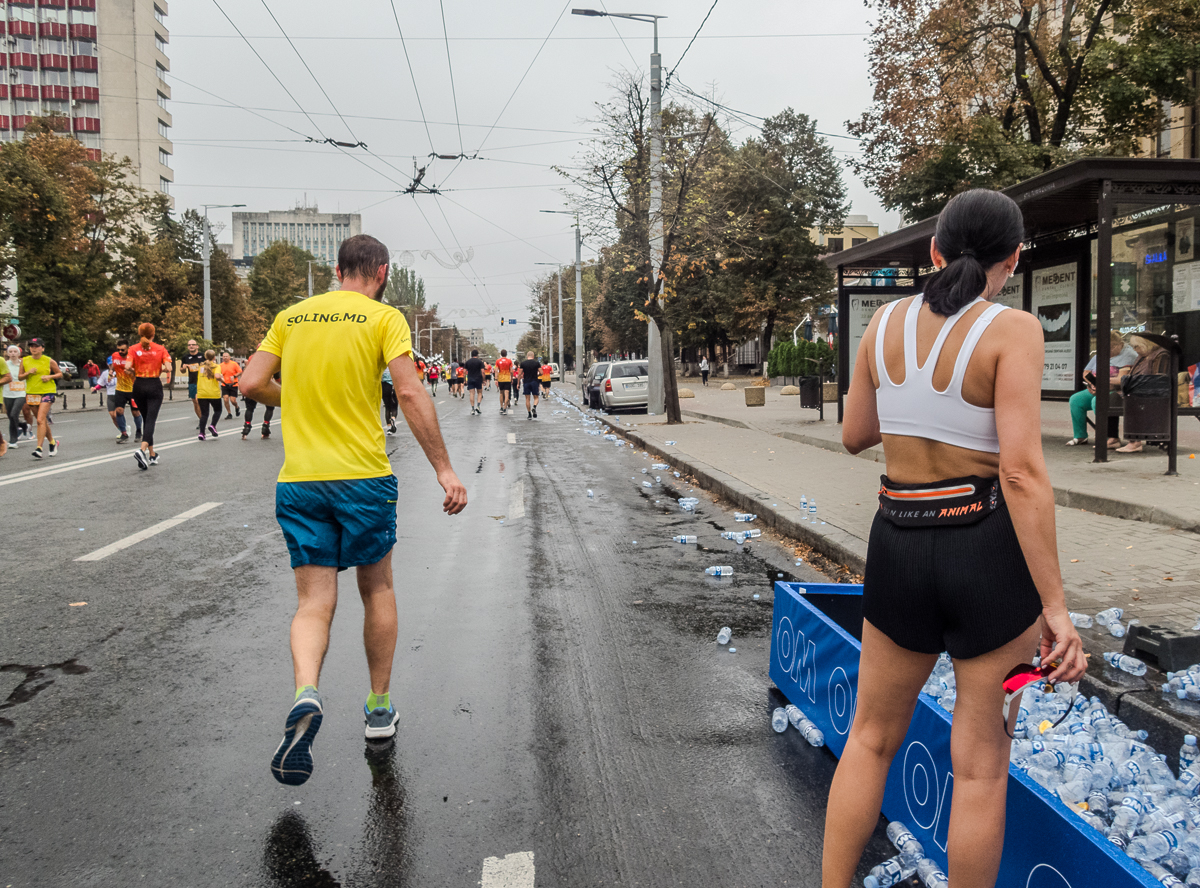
(976, 230)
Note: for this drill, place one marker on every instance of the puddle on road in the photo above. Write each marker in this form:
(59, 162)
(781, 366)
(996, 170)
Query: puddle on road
(32, 684)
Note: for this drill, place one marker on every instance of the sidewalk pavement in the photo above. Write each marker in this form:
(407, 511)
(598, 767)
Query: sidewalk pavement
(1127, 535)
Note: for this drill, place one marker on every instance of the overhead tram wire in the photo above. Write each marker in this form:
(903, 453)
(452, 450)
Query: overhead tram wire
(470, 264)
(541, 46)
(458, 268)
(450, 66)
(271, 71)
(741, 115)
(412, 76)
(671, 73)
(500, 227)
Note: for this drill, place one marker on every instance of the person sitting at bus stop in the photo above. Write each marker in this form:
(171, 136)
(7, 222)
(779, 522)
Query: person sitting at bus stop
(1153, 360)
(1121, 357)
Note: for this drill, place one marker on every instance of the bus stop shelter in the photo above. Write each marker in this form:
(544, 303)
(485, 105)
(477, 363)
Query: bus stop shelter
(1110, 245)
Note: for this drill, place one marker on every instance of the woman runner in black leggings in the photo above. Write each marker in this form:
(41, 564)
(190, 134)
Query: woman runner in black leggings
(962, 555)
(150, 361)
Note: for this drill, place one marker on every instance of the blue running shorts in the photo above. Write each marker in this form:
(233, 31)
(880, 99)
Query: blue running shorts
(346, 523)
(532, 388)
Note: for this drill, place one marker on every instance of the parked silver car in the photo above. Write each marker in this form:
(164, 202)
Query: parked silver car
(625, 385)
(593, 379)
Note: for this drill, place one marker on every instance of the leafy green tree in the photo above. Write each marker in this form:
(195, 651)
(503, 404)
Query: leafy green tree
(280, 277)
(404, 288)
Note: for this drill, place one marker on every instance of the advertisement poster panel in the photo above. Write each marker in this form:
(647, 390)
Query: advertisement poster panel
(862, 308)
(1053, 302)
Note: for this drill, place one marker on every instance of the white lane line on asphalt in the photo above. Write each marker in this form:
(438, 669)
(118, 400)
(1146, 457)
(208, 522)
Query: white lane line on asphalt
(178, 419)
(516, 500)
(153, 530)
(32, 474)
(512, 438)
(510, 871)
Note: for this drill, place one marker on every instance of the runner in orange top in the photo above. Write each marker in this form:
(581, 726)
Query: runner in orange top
(122, 369)
(545, 372)
(504, 369)
(230, 371)
(149, 361)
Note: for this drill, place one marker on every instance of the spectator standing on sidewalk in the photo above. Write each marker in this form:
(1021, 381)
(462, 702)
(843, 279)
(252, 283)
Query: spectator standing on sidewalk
(91, 370)
(704, 370)
(962, 554)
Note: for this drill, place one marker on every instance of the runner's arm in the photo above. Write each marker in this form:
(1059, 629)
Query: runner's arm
(6, 378)
(258, 379)
(1026, 484)
(421, 417)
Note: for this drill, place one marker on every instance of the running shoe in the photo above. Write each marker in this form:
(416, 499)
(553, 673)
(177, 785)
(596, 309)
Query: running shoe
(228, 415)
(54, 448)
(293, 761)
(529, 414)
(535, 412)
(137, 437)
(140, 456)
(124, 438)
(381, 722)
(392, 426)
(212, 430)
(37, 453)
(200, 437)
(12, 444)
(266, 430)
(237, 409)
(153, 460)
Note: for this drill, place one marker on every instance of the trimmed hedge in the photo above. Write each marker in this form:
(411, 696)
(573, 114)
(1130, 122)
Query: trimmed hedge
(801, 359)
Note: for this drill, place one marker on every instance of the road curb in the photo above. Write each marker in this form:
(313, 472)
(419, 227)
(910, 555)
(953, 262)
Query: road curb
(834, 543)
(1064, 496)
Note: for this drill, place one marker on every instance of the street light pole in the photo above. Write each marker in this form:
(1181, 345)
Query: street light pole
(580, 351)
(657, 398)
(206, 256)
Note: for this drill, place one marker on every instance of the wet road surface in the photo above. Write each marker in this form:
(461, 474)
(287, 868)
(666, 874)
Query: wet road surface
(566, 715)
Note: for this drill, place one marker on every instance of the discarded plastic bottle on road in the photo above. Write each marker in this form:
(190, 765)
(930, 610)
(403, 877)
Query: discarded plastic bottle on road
(724, 635)
(590, 494)
(734, 535)
(752, 534)
(1110, 619)
(720, 571)
(1125, 663)
(779, 720)
(906, 843)
(684, 538)
(648, 484)
(669, 442)
(1083, 621)
(931, 874)
(888, 873)
(803, 504)
(1188, 753)
(812, 508)
(744, 516)
(804, 725)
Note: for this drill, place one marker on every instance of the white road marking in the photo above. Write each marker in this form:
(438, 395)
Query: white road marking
(510, 871)
(516, 500)
(512, 438)
(32, 474)
(153, 530)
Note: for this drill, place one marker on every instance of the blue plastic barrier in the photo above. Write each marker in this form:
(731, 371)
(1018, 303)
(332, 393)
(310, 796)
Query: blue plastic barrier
(814, 662)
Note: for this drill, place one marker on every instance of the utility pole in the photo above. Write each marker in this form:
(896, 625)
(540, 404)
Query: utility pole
(579, 349)
(561, 368)
(657, 396)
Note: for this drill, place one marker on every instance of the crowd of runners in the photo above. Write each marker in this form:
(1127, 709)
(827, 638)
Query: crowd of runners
(471, 378)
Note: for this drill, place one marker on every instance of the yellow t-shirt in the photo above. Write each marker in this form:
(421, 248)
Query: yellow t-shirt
(208, 380)
(40, 367)
(332, 350)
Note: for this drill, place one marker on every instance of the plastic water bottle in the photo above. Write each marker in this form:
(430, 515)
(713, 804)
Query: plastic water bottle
(1165, 877)
(1188, 753)
(804, 725)
(1082, 621)
(1110, 619)
(1153, 846)
(888, 873)
(590, 494)
(734, 535)
(752, 534)
(1125, 663)
(648, 484)
(719, 571)
(724, 635)
(684, 538)
(803, 504)
(906, 843)
(669, 442)
(812, 509)
(779, 720)
(744, 516)
(931, 874)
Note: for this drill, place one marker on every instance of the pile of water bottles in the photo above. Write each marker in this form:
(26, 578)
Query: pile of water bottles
(792, 715)
(1100, 769)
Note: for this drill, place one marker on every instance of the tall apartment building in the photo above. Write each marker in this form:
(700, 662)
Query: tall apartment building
(304, 227)
(98, 64)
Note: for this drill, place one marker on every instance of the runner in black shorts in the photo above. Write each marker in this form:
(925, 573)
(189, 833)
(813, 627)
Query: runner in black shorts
(475, 368)
(962, 555)
(150, 362)
(191, 362)
(529, 383)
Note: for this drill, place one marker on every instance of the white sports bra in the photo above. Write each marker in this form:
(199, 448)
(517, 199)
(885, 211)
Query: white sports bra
(914, 407)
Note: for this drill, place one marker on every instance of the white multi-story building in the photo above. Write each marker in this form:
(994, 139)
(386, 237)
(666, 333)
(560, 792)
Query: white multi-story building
(101, 66)
(474, 336)
(304, 227)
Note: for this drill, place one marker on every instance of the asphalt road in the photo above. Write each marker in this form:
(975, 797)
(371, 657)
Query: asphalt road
(566, 715)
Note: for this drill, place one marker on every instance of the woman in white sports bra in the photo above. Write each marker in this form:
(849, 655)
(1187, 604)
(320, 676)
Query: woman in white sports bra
(962, 554)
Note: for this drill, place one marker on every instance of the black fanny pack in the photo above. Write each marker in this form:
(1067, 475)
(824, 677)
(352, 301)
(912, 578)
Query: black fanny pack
(939, 503)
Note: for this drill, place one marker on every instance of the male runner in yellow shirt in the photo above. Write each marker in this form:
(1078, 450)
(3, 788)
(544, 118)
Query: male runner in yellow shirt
(336, 496)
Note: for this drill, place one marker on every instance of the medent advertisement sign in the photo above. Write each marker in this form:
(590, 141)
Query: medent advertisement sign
(814, 662)
(1053, 303)
(862, 309)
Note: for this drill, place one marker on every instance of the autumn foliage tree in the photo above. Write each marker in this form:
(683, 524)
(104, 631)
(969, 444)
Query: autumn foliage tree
(984, 94)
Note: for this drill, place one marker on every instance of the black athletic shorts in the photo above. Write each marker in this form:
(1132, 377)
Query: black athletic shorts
(960, 588)
(532, 388)
(230, 390)
(475, 383)
(505, 386)
(124, 398)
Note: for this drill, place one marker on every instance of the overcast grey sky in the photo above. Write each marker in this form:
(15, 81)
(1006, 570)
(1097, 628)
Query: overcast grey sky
(758, 57)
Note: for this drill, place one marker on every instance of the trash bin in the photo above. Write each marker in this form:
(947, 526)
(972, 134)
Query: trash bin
(1148, 407)
(811, 392)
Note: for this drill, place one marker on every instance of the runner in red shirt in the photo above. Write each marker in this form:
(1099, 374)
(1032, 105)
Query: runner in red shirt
(150, 361)
(504, 379)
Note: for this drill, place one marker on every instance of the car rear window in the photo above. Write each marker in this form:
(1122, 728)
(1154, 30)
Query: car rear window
(621, 370)
(598, 370)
